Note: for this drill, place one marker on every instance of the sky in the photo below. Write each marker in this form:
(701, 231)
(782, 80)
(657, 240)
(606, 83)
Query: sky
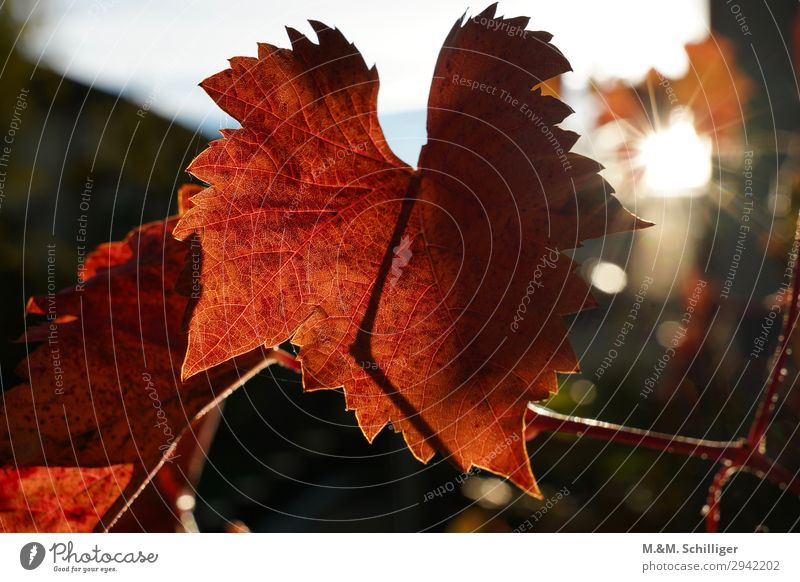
(156, 52)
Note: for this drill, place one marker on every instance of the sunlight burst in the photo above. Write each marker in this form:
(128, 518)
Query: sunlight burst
(676, 160)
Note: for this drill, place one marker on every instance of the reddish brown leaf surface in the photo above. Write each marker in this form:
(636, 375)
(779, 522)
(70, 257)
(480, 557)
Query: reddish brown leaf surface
(103, 388)
(463, 313)
(59, 499)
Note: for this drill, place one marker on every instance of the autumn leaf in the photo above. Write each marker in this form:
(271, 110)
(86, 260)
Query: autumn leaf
(433, 296)
(714, 90)
(59, 499)
(102, 396)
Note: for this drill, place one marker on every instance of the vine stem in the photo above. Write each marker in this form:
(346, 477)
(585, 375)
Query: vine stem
(764, 414)
(736, 455)
(712, 512)
(542, 419)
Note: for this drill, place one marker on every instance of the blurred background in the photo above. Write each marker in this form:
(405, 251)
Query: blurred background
(693, 109)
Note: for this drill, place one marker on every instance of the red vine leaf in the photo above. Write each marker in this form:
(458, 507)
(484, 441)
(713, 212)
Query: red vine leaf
(303, 205)
(59, 499)
(103, 390)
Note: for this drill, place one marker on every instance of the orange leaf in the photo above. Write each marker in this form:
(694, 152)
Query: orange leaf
(103, 389)
(58, 499)
(434, 296)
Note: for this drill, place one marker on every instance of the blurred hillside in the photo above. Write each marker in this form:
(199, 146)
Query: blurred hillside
(74, 151)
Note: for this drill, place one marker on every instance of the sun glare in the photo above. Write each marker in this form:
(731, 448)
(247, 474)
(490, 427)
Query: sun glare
(676, 161)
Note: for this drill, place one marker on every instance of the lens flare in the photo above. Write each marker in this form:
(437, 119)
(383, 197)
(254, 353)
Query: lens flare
(608, 277)
(676, 161)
